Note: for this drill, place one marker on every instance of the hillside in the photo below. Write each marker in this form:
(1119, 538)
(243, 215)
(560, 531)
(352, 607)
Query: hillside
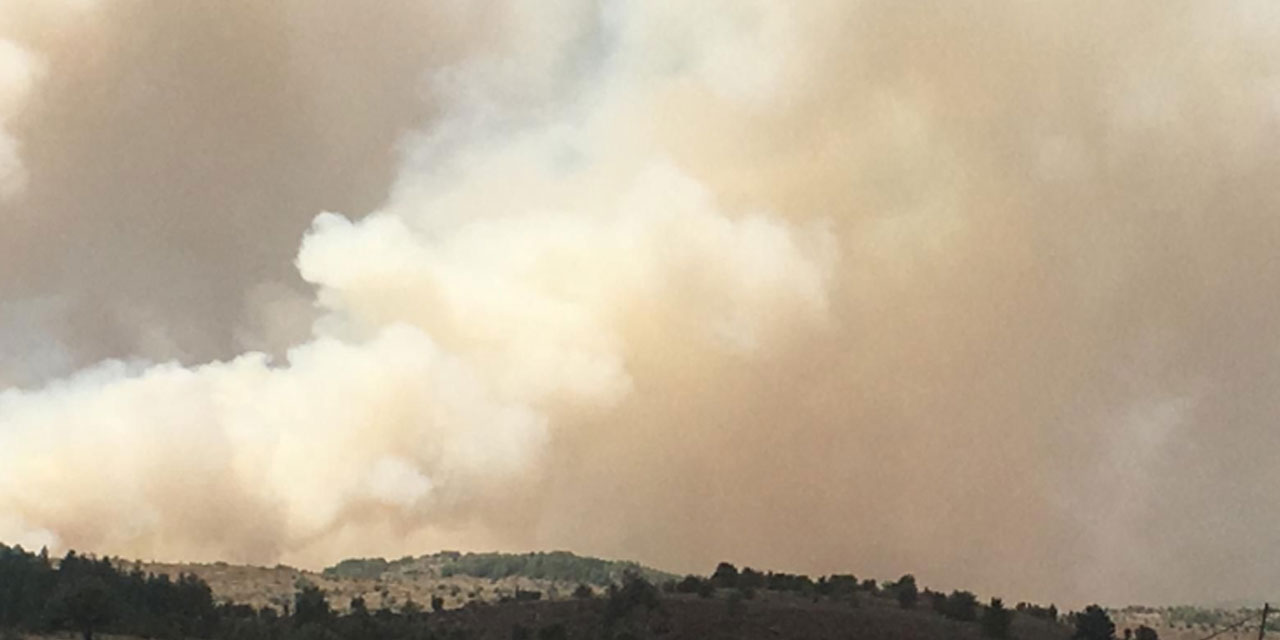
(456, 577)
(554, 566)
(768, 615)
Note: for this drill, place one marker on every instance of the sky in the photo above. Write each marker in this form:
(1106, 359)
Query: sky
(980, 291)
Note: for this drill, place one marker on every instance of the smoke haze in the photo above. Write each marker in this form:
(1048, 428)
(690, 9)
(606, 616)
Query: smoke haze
(982, 291)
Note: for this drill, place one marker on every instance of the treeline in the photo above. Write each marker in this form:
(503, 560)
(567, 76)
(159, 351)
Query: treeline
(89, 595)
(85, 594)
(962, 606)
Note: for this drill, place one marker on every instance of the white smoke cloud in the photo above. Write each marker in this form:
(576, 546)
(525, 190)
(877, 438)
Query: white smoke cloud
(19, 71)
(491, 290)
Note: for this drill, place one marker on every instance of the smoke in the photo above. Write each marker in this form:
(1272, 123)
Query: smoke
(979, 291)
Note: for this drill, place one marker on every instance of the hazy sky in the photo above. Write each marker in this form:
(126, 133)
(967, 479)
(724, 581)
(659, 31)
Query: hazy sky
(983, 291)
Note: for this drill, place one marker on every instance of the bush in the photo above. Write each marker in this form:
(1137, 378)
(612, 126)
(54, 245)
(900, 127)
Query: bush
(1146, 633)
(584, 592)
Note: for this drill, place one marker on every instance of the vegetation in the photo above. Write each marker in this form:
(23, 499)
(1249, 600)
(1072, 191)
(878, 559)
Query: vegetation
(960, 605)
(1146, 633)
(906, 591)
(1094, 624)
(89, 596)
(555, 565)
(996, 619)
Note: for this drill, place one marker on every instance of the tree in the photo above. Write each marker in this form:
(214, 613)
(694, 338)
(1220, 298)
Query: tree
(960, 605)
(996, 619)
(86, 604)
(583, 592)
(635, 592)
(310, 606)
(437, 604)
(1146, 633)
(358, 607)
(1094, 624)
(906, 591)
(690, 584)
(750, 579)
(725, 576)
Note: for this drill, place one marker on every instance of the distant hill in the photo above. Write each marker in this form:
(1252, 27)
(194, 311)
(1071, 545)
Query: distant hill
(1194, 622)
(554, 566)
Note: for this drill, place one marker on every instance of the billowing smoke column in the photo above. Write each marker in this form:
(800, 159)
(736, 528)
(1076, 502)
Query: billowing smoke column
(980, 291)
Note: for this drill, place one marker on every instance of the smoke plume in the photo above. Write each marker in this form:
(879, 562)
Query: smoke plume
(985, 292)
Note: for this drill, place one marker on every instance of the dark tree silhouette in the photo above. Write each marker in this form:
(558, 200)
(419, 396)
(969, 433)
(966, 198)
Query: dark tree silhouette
(1146, 633)
(310, 606)
(906, 591)
(1094, 624)
(725, 576)
(996, 619)
(960, 605)
(86, 604)
(750, 579)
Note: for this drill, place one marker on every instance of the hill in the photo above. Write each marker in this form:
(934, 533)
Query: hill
(554, 566)
(457, 578)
